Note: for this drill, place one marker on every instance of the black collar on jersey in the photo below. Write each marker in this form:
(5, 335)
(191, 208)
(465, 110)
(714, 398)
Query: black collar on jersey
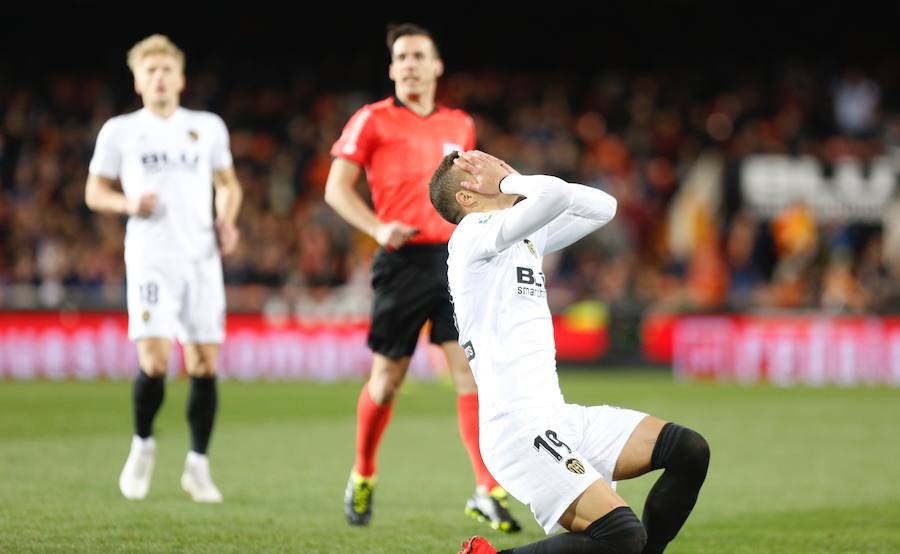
(399, 103)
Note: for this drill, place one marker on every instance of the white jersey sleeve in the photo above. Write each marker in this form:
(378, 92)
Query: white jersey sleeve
(107, 159)
(588, 210)
(564, 212)
(221, 150)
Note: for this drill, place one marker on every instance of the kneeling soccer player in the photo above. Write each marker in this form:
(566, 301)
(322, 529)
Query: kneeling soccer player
(560, 459)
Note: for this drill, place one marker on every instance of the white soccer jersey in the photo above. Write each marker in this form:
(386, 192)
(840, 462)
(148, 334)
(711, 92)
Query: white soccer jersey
(499, 293)
(175, 158)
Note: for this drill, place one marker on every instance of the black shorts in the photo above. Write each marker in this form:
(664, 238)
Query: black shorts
(410, 287)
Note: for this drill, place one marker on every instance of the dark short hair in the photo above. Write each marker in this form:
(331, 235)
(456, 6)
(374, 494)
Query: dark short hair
(443, 188)
(397, 30)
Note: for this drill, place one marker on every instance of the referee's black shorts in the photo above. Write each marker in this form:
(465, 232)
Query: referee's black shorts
(410, 287)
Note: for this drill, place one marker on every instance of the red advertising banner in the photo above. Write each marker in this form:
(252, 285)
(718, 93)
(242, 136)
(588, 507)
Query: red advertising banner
(60, 345)
(783, 350)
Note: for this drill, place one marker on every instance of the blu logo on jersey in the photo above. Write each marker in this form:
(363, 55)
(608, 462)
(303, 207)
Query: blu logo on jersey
(159, 161)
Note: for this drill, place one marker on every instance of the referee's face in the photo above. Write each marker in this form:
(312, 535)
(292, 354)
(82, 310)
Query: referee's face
(159, 79)
(415, 66)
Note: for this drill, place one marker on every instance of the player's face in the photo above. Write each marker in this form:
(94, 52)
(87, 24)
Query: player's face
(415, 66)
(159, 79)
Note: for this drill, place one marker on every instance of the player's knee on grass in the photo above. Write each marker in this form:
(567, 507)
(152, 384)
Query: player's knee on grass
(682, 449)
(619, 531)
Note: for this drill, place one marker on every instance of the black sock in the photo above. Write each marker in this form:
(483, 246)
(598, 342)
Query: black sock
(618, 532)
(201, 411)
(685, 456)
(147, 395)
(564, 543)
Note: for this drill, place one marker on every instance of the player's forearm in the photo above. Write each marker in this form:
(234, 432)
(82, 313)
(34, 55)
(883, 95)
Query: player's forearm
(545, 199)
(228, 202)
(104, 200)
(347, 203)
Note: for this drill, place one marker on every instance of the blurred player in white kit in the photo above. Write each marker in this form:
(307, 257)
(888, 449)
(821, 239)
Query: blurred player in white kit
(169, 161)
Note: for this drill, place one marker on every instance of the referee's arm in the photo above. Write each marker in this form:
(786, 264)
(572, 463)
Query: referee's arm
(341, 195)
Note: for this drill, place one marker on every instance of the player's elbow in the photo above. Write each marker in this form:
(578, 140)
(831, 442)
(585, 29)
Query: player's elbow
(329, 195)
(554, 194)
(334, 191)
(234, 188)
(92, 196)
(605, 208)
(612, 207)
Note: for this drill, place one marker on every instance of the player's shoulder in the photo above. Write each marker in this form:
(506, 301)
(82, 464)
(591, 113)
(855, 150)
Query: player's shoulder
(203, 117)
(122, 121)
(471, 235)
(474, 223)
(114, 127)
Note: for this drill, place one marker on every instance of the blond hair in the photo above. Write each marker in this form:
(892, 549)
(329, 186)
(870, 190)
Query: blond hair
(154, 44)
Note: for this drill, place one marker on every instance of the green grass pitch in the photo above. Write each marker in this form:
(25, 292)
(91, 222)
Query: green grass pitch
(793, 470)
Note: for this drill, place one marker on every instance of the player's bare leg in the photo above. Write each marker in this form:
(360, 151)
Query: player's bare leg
(489, 503)
(600, 522)
(373, 412)
(148, 393)
(634, 460)
(684, 455)
(459, 368)
(201, 362)
(386, 377)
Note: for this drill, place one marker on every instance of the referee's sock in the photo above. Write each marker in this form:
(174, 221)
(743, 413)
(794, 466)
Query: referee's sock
(147, 395)
(201, 411)
(371, 421)
(684, 454)
(467, 417)
(618, 532)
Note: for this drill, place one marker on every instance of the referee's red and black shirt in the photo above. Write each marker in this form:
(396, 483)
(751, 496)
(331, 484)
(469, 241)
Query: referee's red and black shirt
(400, 150)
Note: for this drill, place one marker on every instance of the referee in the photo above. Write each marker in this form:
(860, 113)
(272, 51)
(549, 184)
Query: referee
(399, 141)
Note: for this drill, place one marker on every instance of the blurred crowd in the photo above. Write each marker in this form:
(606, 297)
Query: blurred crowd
(667, 145)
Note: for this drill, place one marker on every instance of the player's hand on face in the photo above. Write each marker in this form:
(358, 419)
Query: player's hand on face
(393, 235)
(144, 205)
(229, 236)
(486, 169)
(495, 159)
